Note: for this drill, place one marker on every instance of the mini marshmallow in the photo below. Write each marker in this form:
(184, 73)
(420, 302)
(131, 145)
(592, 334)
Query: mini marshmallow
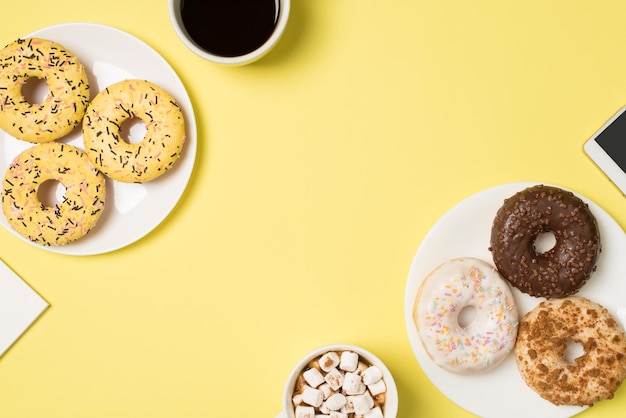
(374, 413)
(362, 404)
(313, 397)
(377, 388)
(329, 361)
(371, 375)
(297, 399)
(305, 412)
(349, 361)
(335, 379)
(313, 377)
(335, 402)
(360, 368)
(348, 408)
(352, 384)
(326, 390)
(337, 414)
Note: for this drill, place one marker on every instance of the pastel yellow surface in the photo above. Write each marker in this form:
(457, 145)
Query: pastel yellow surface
(320, 169)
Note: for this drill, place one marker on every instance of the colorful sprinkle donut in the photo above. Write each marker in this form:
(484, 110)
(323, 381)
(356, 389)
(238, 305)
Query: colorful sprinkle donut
(68, 220)
(127, 161)
(488, 338)
(64, 106)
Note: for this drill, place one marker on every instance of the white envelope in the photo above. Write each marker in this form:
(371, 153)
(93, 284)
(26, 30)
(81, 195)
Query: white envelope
(20, 306)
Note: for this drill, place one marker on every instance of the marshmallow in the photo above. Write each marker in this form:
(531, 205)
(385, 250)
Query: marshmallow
(349, 361)
(313, 397)
(335, 402)
(362, 404)
(326, 390)
(297, 399)
(337, 414)
(377, 388)
(334, 378)
(374, 413)
(360, 368)
(371, 375)
(305, 412)
(348, 408)
(329, 361)
(352, 384)
(313, 377)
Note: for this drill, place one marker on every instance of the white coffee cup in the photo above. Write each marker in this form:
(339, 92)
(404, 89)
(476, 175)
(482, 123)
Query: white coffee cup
(391, 398)
(176, 18)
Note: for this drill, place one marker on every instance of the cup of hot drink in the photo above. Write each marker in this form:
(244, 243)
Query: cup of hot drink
(230, 32)
(340, 380)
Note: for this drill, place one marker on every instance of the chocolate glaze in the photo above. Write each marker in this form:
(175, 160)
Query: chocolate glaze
(560, 271)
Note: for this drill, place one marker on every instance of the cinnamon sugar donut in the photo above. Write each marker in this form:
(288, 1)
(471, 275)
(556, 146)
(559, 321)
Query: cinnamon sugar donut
(64, 106)
(542, 338)
(562, 270)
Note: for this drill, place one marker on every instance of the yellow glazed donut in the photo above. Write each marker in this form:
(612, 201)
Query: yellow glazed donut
(127, 161)
(485, 341)
(68, 220)
(64, 106)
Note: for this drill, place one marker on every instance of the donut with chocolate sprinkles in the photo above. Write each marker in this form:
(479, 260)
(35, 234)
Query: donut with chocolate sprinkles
(64, 106)
(561, 270)
(128, 161)
(59, 223)
(541, 351)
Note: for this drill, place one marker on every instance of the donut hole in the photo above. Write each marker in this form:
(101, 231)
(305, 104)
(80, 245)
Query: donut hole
(544, 242)
(51, 193)
(572, 351)
(133, 130)
(466, 316)
(35, 90)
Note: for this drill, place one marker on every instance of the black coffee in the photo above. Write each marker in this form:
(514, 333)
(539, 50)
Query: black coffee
(229, 28)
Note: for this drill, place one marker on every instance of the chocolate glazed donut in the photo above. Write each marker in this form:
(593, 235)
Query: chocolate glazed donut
(563, 269)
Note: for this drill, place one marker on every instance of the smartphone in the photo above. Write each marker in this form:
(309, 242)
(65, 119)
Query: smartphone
(607, 149)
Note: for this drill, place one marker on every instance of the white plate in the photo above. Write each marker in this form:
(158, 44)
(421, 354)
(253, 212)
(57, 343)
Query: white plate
(132, 210)
(465, 231)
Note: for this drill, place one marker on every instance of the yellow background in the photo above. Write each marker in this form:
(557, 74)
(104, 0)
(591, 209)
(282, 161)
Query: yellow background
(319, 171)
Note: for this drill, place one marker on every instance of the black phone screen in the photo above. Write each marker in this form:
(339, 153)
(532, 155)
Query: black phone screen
(613, 140)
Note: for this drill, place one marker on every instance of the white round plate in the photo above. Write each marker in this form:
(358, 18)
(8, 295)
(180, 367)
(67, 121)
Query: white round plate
(465, 231)
(132, 210)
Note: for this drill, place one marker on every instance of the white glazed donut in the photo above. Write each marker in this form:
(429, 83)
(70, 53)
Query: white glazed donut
(483, 343)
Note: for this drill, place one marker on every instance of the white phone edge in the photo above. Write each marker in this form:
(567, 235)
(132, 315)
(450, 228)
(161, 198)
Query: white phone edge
(603, 160)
